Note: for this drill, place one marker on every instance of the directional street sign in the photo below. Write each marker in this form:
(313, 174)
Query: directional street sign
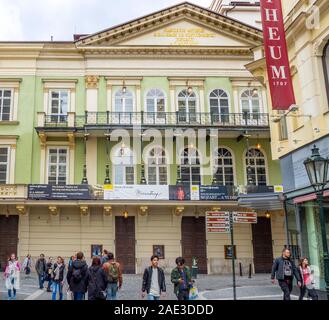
(218, 222)
(245, 217)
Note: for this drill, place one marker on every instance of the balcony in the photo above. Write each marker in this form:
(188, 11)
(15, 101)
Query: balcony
(99, 120)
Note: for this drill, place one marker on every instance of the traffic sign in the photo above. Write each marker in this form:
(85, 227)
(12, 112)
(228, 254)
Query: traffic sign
(245, 217)
(218, 222)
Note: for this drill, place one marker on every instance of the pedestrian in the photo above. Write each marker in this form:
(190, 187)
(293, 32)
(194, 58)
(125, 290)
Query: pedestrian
(40, 268)
(154, 283)
(104, 257)
(307, 280)
(72, 258)
(49, 273)
(58, 278)
(77, 276)
(96, 281)
(27, 265)
(11, 276)
(114, 276)
(181, 278)
(285, 269)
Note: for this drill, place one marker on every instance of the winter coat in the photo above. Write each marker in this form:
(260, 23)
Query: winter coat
(277, 269)
(312, 282)
(147, 280)
(49, 271)
(81, 285)
(11, 275)
(106, 268)
(96, 281)
(175, 276)
(61, 273)
(40, 266)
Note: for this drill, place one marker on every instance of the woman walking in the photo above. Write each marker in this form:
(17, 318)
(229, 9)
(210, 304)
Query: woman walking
(96, 281)
(12, 271)
(58, 278)
(27, 265)
(307, 280)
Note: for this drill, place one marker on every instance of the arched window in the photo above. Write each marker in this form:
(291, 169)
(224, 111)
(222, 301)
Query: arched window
(219, 106)
(190, 166)
(155, 106)
(123, 166)
(256, 167)
(157, 167)
(250, 105)
(123, 106)
(187, 106)
(223, 165)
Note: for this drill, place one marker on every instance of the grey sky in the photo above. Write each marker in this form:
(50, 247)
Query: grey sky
(33, 20)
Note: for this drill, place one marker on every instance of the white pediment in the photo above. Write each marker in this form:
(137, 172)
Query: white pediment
(184, 33)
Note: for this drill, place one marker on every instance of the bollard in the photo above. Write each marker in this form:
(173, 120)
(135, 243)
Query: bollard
(249, 271)
(240, 266)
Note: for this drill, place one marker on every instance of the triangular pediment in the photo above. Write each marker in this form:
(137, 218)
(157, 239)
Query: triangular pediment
(182, 25)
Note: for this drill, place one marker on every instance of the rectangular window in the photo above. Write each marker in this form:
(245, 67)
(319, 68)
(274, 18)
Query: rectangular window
(283, 128)
(59, 102)
(57, 166)
(5, 104)
(4, 165)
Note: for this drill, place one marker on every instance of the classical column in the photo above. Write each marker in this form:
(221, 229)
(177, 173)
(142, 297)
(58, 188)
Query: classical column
(172, 107)
(202, 104)
(109, 98)
(138, 99)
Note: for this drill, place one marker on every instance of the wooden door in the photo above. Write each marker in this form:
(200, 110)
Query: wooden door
(8, 238)
(194, 243)
(262, 244)
(125, 243)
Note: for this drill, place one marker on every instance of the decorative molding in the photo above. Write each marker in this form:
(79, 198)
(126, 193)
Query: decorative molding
(92, 82)
(21, 210)
(11, 79)
(143, 210)
(43, 140)
(178, 211)
(107, 210)
(84, 210)
(71, 138)
(53, 210)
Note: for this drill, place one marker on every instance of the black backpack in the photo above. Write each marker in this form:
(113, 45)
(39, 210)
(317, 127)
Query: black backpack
(77, 275)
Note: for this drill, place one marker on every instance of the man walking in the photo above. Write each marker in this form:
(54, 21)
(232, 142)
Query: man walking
(40, 268)
(181, 278)
(285, 269)
(154, 283)
(77, 277)
(114, 276)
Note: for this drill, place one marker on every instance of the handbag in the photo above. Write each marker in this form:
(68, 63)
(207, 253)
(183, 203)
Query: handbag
(194, 293)
(100, 294)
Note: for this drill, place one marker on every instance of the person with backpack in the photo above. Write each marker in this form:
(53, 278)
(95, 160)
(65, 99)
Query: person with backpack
(154, 283)
(58, 278)
(96, 281)
(49, 273)
(40, 268)
(27, 265)
(77, 277)
(182, 280)
(307, 280)
(114, 276)
(285, 269)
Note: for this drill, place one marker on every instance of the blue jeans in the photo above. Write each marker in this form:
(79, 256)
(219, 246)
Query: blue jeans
(152, 297)
(14, 291)
(57, 287)
(112, 289)
(41, 280)
(78, 296)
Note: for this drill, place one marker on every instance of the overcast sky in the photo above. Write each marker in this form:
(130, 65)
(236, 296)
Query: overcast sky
(34, 20)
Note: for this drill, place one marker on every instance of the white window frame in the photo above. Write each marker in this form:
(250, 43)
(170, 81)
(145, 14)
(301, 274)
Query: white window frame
(250, 100)
(187, 110)
(8, 162)
(190, 165)
(59, 100)
(254, 166)
(57, 163)
(11, 111)
(157, 166)
(157, 118)
(115, 165)
(224, 166)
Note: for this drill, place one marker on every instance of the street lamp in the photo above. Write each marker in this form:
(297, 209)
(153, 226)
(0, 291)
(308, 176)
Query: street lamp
(317, 171)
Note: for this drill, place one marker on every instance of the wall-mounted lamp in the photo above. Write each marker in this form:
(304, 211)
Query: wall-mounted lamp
(189, 89)
(268, 215)
(125, 214)
(124, 88)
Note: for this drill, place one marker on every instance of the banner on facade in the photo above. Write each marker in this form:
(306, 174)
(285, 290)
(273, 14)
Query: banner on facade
(278, 69)
(180, 192)
(59, 192)
(136, 192)
(216, 193)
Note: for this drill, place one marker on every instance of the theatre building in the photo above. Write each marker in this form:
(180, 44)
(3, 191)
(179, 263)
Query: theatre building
(76, 115)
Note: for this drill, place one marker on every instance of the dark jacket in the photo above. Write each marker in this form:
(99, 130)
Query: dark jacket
(40, 266)
(147, 279)
(175, 276)
(277, 269)
(49, 271)
(81, 285)
(104, 259)
(96, 281)
(61, 273)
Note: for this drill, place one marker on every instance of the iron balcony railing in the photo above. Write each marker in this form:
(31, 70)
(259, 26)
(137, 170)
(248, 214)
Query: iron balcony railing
(162, 119)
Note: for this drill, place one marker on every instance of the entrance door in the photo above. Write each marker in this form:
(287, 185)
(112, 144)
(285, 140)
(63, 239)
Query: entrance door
(262, 243)
(8, 238)
(194, 243)
(125, 243)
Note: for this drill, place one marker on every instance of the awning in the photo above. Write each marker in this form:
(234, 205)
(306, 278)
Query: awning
(309, 197)
(261, 201)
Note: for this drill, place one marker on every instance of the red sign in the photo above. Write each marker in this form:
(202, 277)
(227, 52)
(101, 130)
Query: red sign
(276, 54)
(217, 222)
(245, 217)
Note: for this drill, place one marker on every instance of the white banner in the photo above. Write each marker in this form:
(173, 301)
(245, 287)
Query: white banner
(136, 192)
(195, 193)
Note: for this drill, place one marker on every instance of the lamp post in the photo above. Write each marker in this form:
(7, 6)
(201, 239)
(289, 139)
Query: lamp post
(317, 171)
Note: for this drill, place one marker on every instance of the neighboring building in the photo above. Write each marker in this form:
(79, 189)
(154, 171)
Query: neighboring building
(179, 68)
(246, 11)
(294, 133)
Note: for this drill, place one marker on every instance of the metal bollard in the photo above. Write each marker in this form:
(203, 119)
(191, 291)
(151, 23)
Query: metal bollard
(249, 271)
(240, 266)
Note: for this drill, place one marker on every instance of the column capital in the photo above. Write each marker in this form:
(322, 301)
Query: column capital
(92, 82)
